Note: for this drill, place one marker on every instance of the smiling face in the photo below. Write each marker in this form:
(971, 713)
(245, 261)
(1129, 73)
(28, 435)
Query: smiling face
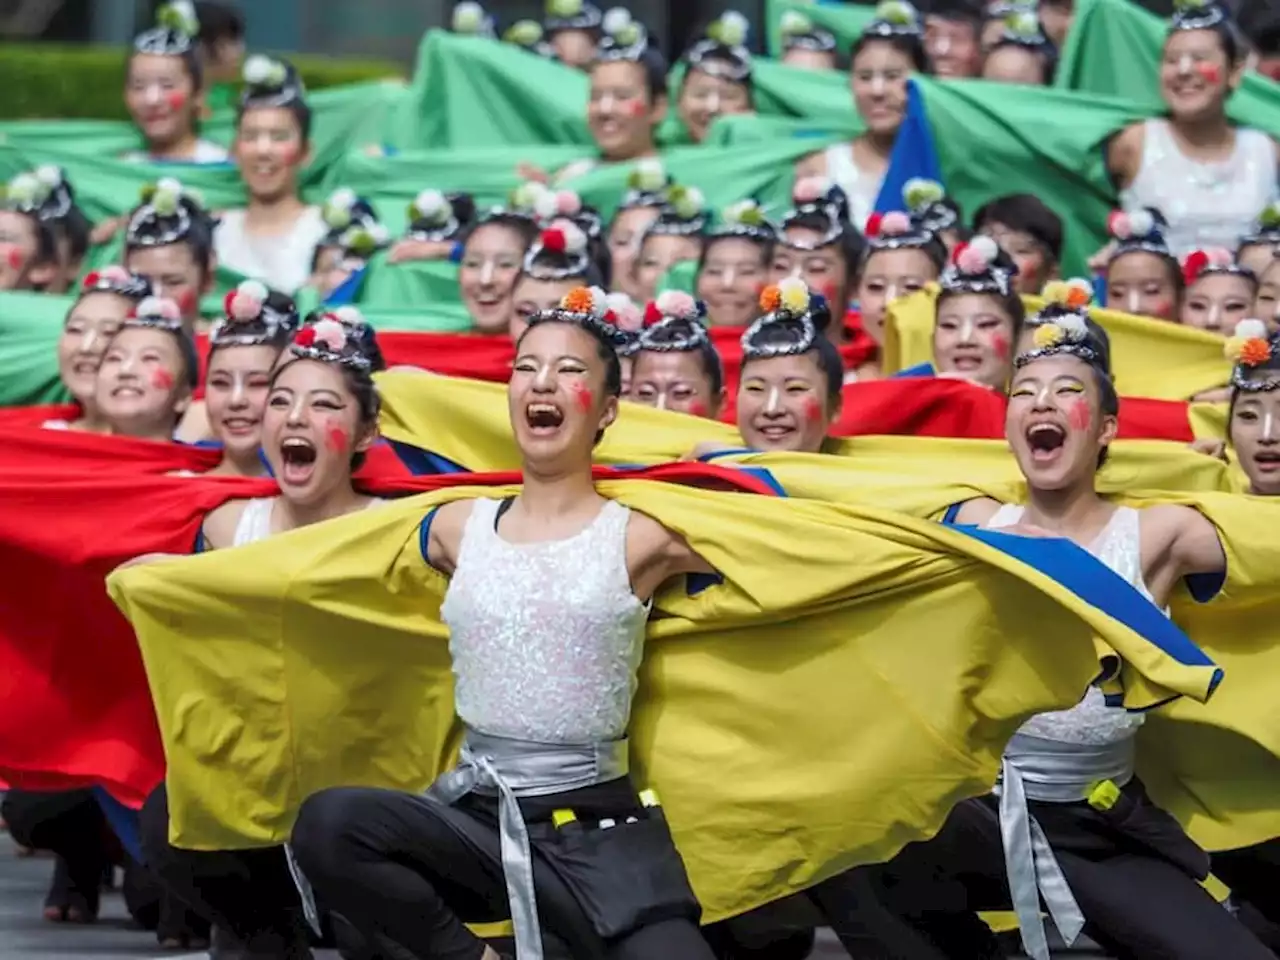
(1255, 435)
(887, 275)
(625, 231)
(487, 275)
(953, 47)
(19, 250)
(1194, 74)
(235, 394)
(88, 329)
(142, 384)
(1216, 302)
(269, 150)
(823, 270)
(1142, 283)
(659, 253)
(311, 429)
(619, 113)
(973, 337)
(783, 405)
(174, 273)
(674, 380)
(879, 82)
(733, 274)
(1266, 306)
(1055, 423)
(532, 295)
(161, 98)
(574, 48)
(558, 398)
(703, 98)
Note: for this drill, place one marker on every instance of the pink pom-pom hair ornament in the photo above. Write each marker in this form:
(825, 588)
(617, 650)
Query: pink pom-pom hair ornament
(893, 224)
(976, 256)
(246, 301)
(1211, 260)
(330, 334)
(623, 313)
(810, 190)
(556, 203)
(1127, 224)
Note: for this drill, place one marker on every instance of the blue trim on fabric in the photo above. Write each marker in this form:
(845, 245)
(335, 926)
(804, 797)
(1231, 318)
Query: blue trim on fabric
(455, 252)
(424, 537)
(1098, 586)
(919, 370)
(914, 154)
(733, 452)
(767, 478)
(345, 293)
(123, 821)
(423, 463)
(695, 583)
(202, 444)
(1203, 587)
(1100, 288)
(953, 511)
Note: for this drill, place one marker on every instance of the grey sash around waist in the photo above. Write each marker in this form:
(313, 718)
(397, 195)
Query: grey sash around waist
(1052, 772)
(522, 768)
(507, 769)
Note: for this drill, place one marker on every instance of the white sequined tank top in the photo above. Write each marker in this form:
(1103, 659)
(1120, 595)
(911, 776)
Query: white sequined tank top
(1206, 204)
(1091, 721)
(862, 189)
(254, 523)
(546, 637)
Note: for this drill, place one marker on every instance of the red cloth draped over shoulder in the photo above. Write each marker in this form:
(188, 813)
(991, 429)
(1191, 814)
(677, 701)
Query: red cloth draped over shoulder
(77, 709)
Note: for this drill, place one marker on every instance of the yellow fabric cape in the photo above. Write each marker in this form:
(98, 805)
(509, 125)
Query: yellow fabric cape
(467, 422)
(1215, 767)
(857, 674)
(1150, 358)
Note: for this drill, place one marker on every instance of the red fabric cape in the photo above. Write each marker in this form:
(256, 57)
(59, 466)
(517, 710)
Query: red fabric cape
(77, 709)
(941, 407)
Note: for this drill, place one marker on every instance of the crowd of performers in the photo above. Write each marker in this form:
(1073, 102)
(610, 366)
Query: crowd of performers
(555, 592)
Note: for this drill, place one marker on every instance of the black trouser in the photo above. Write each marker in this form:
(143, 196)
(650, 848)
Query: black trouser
(412, 871)
(1132, 870)
(249, 893)
(1253, 874)
(783, 930)
(71, 825)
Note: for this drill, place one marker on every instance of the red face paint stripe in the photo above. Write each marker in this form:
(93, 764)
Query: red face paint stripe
(812, 409)
(162, 379)
(336, 439)
(1000, 346)
(583, 397)
(1079, 416)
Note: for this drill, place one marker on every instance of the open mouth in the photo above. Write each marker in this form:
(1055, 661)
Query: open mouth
(487, 299)
(1268, 461)
(299, 460)
(85, 367)
(543, 418)
(966, 362)
(1045, 440)
(127, 391)
(775, 432)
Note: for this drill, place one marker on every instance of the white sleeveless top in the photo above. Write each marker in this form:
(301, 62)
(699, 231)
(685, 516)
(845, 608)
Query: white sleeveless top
(546, 637)
(255, 522)
(1206, 204)
(862, 189)
(281, 262)
(1091, 721)
(206, 152)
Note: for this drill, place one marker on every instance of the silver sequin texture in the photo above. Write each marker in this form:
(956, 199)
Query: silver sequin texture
(1091, 721)
(1206, 204)
(546, 637)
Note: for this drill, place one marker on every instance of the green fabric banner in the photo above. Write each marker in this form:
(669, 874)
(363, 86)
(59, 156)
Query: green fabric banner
(1114, 49)
(29, 327)
(845, 20)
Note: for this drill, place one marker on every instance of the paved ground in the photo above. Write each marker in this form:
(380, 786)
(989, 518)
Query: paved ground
(24, 935)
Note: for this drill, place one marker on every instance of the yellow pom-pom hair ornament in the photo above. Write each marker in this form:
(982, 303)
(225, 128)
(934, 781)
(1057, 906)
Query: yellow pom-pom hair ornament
(787, 326)
(175, 32)
(571, 15)
(591, 309)
(929, 206)
(723, 52)
(472, 20)
(624, 38)
(1062, 326)
(894, 18)
(168, 213)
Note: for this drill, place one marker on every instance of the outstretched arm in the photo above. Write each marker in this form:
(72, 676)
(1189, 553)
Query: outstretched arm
(655, 554)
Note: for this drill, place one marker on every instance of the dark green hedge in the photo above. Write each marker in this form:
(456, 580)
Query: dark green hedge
(46, 81)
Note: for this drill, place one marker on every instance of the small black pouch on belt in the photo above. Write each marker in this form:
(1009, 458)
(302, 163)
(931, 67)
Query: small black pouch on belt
(624, 876)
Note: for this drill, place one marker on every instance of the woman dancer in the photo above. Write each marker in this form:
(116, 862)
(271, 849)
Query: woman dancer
(645, 197)
(1022, 53)
(28, 243)
(717, 81)
(673, 237)
(558, 261)
(164, 90)
(107, 298)
(978, 316)
(675, 366)
(805, 45)
(1142, 275)
(243, 349)
(320, 418)
(1208, 176)
(1219, 293)
(1257, 248)
(169, 240)
(817, 243)
(737, 256)
(1086, 837)
(890, 49)
(273, 238)
(546, 730)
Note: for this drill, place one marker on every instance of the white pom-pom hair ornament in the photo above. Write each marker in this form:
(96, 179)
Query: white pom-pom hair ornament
(977, 255)
(919, 192)
(793, 23)
(1073, 326)
(331, 333)
(468, 17)
(1250, 330)
(431, 205)
(49, 175)
(159, 308)
(616, 20)
(648, 175)
(626, 315)
(732, 28)
(564, 236)
(793, 295)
